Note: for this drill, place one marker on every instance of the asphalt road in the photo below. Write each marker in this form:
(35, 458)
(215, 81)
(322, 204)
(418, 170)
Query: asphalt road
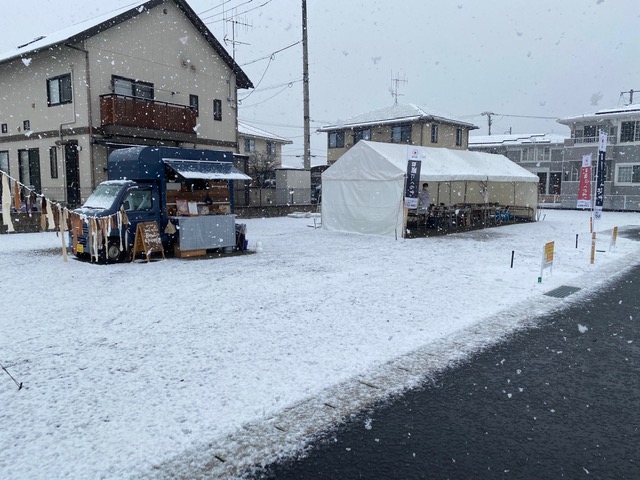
(558, 401)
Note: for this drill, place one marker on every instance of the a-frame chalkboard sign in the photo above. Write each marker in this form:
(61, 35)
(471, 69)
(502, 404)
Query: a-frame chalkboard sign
(147, 240)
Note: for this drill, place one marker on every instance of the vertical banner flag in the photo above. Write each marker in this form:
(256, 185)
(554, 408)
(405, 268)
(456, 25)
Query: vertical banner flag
(584, 191)
(413, 177)
(602, 149)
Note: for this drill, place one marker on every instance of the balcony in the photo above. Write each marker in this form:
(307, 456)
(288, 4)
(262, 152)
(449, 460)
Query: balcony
(587, 141)
(133, 116)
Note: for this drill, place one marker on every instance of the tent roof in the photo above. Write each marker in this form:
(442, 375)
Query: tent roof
(387, 161)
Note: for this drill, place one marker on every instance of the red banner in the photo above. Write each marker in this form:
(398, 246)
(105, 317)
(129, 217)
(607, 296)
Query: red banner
(584, 191)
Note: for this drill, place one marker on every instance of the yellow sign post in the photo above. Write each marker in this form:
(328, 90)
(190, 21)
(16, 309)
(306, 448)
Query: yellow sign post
(547, 258)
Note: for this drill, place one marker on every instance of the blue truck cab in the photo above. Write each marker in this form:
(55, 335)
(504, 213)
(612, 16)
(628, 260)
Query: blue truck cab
(137, 186)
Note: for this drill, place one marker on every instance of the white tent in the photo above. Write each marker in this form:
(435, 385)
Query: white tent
(363, 191)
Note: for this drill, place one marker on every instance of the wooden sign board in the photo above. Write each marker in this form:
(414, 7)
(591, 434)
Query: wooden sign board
(148, 240)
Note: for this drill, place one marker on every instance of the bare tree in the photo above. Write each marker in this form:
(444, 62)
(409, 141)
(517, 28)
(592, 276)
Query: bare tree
(262, 169)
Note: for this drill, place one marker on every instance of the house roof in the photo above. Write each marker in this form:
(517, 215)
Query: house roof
(515, 139)
(631, 110)
(91, 27)
(247, 130)
(391, 115)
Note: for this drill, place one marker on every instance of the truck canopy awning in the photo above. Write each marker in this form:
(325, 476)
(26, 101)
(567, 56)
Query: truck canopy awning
(203, 170)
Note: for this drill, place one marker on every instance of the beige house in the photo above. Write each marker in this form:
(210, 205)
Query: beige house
(408, 124)
(260, 147)
(148, 74)
(260, 157)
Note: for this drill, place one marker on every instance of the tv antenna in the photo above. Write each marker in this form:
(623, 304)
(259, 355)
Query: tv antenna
(630, 92)
(395, 83)
(236, 23)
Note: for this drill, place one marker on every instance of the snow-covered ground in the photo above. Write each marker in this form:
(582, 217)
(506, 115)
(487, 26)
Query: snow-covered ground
(181, 366)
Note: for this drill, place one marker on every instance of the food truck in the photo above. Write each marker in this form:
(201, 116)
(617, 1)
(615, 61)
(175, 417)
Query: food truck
(186, 193)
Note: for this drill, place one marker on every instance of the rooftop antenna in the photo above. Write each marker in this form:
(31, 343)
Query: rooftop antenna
(630, 92)
(395, 83)
(235, 21)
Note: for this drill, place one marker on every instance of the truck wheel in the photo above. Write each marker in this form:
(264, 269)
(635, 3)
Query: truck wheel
(113, 254)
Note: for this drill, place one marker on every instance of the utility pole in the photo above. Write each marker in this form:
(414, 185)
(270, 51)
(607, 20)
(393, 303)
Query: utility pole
(305, 89)
(489, 119)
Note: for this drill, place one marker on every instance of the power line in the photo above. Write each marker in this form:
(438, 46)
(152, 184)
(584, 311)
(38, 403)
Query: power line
(272, 54)
(526, 116)
(222, 5)
(241, 13)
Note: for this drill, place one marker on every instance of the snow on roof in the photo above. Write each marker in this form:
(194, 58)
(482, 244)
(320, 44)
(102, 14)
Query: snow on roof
(515, 139)
(46, 41)
(248, 130)
(93, 26)
(625, 110)
(394, 114)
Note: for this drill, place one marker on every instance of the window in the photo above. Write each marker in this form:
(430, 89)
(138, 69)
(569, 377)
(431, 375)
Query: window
(138, 199)
(249, 145)
(53, 161)
(29, 168)
(4, 161)
(132, 88)
(628, 173)
(336, 139)
(555, 182)
(590, 133)
(630, 132)
(26, 125)
(458, 137)
(59, 90)
(434, 133)
(401, 133)
(5, 129)
(543, 154)
(271, 148)
(217, 110)
(542, 183)
(193, 103)
(363, 134)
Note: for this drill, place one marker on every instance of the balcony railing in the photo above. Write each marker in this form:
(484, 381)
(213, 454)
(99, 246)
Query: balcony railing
(125, 111)
(611, 140)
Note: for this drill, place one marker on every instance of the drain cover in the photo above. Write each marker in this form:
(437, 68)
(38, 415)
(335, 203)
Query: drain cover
(561, 292)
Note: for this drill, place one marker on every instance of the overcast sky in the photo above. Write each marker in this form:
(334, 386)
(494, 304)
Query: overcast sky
(517, 58)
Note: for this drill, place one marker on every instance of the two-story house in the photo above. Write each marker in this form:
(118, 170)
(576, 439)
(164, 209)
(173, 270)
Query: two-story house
(263, 151)
(147, 74)
(408, 124)
(622, 159)
(260, 157)
(540, 153)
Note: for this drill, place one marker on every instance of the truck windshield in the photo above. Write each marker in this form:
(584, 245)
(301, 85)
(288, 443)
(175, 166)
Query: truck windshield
(103, 196)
